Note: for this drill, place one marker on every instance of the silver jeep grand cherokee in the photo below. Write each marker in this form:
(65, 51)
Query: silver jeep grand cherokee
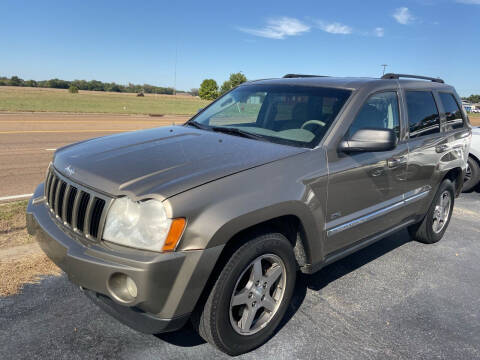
(210, 221)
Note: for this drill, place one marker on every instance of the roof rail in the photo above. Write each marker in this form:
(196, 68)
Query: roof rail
(290, 76)
(398, 76)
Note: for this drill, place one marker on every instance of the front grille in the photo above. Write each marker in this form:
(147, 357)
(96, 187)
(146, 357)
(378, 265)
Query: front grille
(77, 207)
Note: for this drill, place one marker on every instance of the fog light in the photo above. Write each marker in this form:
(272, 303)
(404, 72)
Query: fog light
(122, 287)
(131, 287)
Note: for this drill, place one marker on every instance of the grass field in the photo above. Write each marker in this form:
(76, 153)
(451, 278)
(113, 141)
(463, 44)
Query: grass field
(58, 100)
(474, 119)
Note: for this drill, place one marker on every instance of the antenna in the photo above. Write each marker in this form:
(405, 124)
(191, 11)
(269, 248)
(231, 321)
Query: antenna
(384, 67)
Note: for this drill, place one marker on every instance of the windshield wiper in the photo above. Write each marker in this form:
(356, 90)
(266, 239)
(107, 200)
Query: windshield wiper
(237, 132)
(197, 125)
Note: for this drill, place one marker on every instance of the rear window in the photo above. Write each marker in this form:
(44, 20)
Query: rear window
(423, 114)
(452, 111)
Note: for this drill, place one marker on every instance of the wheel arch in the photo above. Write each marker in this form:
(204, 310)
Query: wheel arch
(455, 175)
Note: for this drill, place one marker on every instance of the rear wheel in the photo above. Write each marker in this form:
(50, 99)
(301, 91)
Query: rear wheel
(472, 175)
(250, 296)
(436, 221)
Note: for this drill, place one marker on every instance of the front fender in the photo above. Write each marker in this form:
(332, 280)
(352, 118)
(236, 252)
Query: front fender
(218, 210)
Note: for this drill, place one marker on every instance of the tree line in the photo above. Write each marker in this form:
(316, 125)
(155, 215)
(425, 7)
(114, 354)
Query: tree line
(93, 85)
(209, 89)
(473, 98)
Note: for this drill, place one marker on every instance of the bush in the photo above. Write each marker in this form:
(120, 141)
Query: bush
(73, 89)
(208, 89)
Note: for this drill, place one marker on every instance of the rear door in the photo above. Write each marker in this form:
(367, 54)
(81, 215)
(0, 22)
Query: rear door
(365, 188)
(426, 143)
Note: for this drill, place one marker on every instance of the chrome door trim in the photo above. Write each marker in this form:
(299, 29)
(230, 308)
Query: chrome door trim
(407, 199)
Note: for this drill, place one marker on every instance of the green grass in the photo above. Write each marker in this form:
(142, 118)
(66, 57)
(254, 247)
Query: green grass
(9, 210)
(34, 99)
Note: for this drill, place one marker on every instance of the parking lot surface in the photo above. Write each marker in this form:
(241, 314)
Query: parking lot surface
(396, 299)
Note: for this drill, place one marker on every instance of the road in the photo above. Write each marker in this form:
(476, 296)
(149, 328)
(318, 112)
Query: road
(27, 141)
(397, 299)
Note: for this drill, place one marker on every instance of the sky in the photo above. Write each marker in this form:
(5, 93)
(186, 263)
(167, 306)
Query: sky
(145, 41)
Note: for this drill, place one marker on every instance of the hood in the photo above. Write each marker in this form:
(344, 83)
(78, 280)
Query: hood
(164, 161)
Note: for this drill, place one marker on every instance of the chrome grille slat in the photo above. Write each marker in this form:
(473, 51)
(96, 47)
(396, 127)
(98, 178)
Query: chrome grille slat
(76, 207)
(51, 191)
(88, 216)
(65, 202)
(57, 189)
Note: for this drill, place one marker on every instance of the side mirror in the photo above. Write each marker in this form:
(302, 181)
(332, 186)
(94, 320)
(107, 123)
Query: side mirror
(367, 140)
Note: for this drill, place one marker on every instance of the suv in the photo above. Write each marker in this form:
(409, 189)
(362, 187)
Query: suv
(210, 221)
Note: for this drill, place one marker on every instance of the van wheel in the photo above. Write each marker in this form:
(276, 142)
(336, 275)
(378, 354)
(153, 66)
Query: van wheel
(436, 221)
(472, 175)
(250, 296)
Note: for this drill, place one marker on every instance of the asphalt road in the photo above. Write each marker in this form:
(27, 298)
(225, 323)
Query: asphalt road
(397, 299)
(27, 141)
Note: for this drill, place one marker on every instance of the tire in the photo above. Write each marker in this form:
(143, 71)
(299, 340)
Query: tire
(217, 319)
(429, 230)
(473, 177)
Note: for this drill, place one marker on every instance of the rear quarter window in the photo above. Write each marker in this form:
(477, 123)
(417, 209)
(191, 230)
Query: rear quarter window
(453, 113)
(423, 114)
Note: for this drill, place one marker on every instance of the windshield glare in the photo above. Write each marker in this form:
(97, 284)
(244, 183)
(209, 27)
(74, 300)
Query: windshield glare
(294, 115)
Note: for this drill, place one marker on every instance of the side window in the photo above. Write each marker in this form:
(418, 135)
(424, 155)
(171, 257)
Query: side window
(380, 111)
(423, 115)
(452, 111)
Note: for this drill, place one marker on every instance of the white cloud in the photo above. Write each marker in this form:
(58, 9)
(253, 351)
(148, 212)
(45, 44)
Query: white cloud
(474, 2)
(403, 15)
(279, 28)
(335, 28)
(379, 32)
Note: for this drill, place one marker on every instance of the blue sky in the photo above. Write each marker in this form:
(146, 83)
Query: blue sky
(136, 41)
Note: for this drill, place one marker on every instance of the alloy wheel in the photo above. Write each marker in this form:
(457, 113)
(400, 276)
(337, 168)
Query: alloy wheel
(258, 294)
(441, 212)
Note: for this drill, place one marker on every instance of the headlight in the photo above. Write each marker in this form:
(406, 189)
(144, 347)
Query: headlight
(142, 225)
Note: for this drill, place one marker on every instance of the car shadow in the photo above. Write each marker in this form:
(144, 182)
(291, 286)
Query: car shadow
(188, 337)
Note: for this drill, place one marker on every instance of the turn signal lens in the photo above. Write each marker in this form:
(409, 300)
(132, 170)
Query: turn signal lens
(174, 235)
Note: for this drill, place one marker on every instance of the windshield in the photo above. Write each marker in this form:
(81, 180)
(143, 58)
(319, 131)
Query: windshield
(294, 115)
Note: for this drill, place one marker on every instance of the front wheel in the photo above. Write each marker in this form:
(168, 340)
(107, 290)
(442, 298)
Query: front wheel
(250, 296)
(438, 216)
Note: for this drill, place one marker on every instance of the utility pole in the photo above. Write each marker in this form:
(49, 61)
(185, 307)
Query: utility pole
(175, 70)
(384, 67)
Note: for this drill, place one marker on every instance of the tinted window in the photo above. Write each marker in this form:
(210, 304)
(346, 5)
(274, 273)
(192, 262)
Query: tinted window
(452, 111)
(423, 115)
(380, 111)
(293, 115)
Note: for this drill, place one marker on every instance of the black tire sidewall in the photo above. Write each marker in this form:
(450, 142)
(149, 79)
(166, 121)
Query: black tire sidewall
(275, 244)
(475, 169)
(448, 186)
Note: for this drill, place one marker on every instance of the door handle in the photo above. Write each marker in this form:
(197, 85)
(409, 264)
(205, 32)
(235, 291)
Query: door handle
(396, 161)
(442, 148)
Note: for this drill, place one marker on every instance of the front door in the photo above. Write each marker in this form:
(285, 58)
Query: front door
(365, 189)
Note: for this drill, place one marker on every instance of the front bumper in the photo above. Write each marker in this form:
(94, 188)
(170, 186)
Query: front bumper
(168, 284)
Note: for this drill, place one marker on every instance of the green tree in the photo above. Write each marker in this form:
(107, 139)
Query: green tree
(15, 81)
(73, 89)
(208, 89)
(234, 80)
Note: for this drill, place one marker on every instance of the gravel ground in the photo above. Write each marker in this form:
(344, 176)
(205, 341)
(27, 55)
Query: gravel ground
(396, 299)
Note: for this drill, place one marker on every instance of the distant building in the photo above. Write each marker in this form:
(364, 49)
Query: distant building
(469, 107)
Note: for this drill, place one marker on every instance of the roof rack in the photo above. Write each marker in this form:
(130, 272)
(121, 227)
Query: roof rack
(290, 76)
(398, 76)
